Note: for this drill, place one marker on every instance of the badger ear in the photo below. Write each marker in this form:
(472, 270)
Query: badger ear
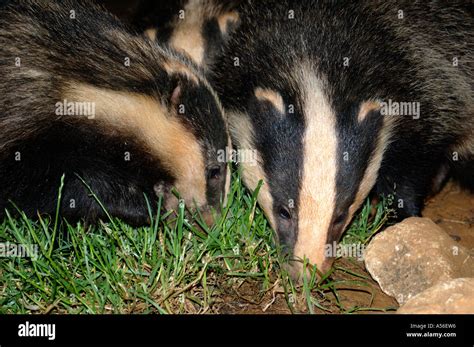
(176, 95)
(366, 108)
(228, 22)
(271, 98)
(151, 33)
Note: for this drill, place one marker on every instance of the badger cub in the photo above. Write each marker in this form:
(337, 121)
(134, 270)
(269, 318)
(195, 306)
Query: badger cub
(197, 28)
(117, 115)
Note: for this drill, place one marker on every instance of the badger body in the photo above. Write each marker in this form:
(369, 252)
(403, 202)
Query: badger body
(312, 87)
(120, 117)
(197, 28)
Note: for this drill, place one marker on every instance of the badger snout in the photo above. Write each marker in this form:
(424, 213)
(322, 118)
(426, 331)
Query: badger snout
(209, 216)
(313, 245)
(296, 268)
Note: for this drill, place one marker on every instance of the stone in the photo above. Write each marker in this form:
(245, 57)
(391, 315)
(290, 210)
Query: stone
(448, 297)
(414, 255)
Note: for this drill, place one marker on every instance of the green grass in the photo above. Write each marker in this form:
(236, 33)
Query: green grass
(173, 266)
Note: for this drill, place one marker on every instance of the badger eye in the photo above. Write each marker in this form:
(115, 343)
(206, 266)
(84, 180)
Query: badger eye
(339, 218)
(284, 213)
(214, 173)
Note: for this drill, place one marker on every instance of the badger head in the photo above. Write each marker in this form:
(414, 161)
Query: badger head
(318, 158)
(197, 28)
(177, 119)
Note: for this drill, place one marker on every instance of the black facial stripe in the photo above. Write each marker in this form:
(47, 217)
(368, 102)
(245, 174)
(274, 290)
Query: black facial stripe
(202, 114)
(213, 189)
(356, 144)
(282, 159)
(158, 85)
(213, 39)
(203, 117)
(163, 35)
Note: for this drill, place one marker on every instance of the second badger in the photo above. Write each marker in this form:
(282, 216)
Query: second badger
(80, 96)
(197, 28)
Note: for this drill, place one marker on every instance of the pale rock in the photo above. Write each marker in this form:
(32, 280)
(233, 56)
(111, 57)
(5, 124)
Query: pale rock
(414, 255)
(447, 297)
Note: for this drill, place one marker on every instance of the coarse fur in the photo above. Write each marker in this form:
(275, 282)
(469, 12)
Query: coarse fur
(334, 65)
(157, 122)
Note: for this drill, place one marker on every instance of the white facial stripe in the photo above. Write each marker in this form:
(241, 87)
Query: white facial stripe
(165, 136)
(242, 130)
(228, 175)
(272, 97)
(318, 187)
(187, 34)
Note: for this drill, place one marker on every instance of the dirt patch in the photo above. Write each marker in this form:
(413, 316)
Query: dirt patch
(354, 291)
(248, 298)
(453, 210)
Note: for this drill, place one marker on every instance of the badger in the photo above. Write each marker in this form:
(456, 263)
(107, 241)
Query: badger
(197, 28)
(120, 119)
(341, 100)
